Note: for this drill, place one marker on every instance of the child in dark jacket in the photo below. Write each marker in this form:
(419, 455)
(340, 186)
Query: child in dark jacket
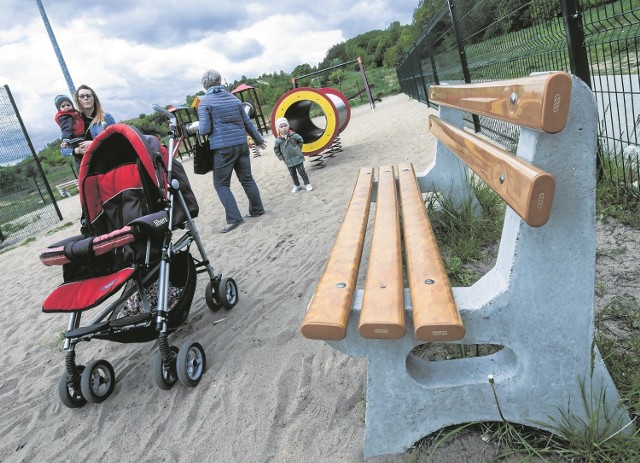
(288, 148)
(70, 121)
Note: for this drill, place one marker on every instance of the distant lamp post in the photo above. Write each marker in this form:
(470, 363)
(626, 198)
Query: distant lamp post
(56, 48)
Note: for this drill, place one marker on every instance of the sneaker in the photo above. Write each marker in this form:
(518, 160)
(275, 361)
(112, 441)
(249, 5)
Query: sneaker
(296, 188)
(308, 187)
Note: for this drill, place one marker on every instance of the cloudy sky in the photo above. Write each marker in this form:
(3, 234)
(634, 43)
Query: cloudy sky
(135, 53)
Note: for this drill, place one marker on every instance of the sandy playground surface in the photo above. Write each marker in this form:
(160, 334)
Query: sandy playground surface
(269, 394)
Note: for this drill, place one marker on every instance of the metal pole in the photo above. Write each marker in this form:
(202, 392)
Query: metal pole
(56, 48)
(330, 68)
(578, 58)
(414, 80)
(372, 103)
(434, 68)
(33, 151)
(462, 54)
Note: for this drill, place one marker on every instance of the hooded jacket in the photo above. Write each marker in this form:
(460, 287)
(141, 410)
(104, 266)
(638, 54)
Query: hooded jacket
(289, 148)
(71, 125)
(222, 117)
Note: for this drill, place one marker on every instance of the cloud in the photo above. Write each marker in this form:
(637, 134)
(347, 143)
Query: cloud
(242, 49)
(138, 53)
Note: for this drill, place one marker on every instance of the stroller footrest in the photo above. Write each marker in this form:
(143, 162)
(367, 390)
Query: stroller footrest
(131, 320)
(85, 294)
(85, 330)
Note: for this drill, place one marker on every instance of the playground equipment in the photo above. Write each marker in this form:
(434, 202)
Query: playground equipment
(249, 97)
(185, 117)
(366, 89)
(296, 106)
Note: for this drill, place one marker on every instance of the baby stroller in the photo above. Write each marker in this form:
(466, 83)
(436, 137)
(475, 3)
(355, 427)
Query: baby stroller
(135, 198)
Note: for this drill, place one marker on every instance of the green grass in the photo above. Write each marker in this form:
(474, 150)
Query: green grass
(466, 234)
(54, 343)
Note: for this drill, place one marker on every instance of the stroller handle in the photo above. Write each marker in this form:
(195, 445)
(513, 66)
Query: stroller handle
(161, 110)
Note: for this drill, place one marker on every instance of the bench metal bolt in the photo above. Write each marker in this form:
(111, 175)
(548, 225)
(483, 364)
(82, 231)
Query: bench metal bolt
(341, 285)
(429, 281)
(513, 98)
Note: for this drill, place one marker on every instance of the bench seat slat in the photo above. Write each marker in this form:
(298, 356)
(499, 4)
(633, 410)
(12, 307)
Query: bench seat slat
(328, 312)
(540, 102)
(435, 314)
(382, 311)
(527, 189)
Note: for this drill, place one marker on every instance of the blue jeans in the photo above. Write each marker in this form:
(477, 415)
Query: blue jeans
(225, 161)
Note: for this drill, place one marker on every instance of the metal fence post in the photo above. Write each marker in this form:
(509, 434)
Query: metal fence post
(434, 68)
(462, 54)
(578, 58)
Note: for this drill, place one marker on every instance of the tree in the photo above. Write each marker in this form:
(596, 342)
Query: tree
(391, 57)
(302, 69)
(337, 52)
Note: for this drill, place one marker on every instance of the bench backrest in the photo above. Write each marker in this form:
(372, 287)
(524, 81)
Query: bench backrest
(539, 102)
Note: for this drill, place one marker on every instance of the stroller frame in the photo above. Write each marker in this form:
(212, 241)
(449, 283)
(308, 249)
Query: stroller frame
(96, 381)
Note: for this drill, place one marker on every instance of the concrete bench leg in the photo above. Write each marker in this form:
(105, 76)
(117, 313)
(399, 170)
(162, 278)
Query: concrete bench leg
(409, 398)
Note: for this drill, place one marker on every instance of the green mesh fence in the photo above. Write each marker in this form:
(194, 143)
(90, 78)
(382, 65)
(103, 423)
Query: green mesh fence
(26, 202)
(596, 40)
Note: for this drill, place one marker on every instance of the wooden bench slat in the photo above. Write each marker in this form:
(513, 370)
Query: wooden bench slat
(328, 312)
(527, 189)
(382, 311)
(435, 314)
(539, 102)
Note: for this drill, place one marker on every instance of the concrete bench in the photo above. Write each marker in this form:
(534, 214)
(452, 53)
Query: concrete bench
(65, 188)
(536, 304)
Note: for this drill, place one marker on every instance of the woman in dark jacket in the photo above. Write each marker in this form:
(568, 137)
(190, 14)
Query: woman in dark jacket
(222, 117)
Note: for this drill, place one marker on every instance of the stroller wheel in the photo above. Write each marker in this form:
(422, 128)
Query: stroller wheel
(191, 363)
(69, 391)
(212, 298)
(228, 293)
(164, 374)
(97, 381)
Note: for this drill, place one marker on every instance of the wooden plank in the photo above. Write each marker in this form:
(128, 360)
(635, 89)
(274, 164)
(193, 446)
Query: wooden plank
(328, 313)
(435, 315)
(382, 312)
(539, 102)
(527, 189)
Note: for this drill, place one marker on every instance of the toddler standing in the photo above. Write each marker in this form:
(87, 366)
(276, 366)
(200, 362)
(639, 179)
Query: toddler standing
(288, 148)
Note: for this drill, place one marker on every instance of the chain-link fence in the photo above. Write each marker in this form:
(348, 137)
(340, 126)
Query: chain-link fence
(596, 40)
(27, 204)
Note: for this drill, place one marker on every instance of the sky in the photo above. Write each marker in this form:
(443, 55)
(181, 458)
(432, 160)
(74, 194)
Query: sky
(136, 53)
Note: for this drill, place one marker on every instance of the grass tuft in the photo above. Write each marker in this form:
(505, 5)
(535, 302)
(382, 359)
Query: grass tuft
(464, 235)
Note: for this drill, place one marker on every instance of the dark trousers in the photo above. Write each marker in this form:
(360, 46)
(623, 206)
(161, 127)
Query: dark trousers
(299, 169)
(225, 161)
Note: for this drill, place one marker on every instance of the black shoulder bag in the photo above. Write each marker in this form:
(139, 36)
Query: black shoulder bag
(202, 157)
